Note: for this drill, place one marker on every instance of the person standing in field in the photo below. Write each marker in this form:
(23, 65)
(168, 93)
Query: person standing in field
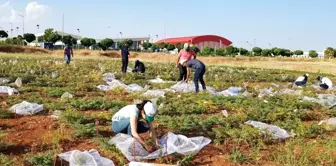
(199, 72)
(68, 53)
(124, 57)
(184, 55)
(136, 119)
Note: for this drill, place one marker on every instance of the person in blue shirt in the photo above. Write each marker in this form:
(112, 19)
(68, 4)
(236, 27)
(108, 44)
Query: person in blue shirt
(124, 57)
(199, 72)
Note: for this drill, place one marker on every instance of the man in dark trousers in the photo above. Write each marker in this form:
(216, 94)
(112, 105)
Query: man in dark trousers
(199, 72)
(139, 67)
(124, 57)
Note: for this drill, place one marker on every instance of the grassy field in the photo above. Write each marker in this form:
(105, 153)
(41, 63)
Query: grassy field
(35, 140)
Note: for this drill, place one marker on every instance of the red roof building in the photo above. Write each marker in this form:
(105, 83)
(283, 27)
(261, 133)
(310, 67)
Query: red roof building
(201, 42)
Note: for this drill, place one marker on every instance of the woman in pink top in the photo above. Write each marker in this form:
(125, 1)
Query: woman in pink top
(184, 55)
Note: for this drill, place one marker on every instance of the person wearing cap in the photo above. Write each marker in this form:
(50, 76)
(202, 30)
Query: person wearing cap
(139, 67)
(185, 54)
(199, 72)
(325, 83)
(68, 53)
(128, 121)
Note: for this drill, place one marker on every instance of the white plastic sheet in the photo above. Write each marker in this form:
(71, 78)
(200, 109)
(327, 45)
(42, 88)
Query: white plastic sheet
(86, 158)
(4, 80)
(327, 100)
(7, 90)
(54, 74)
(275, 131)
(154, 93)
(170, 143)
(26, 108)
(67, 95)
(18, 82)
(132, 163)
(108, 77)
(232, 91)
(134, 88)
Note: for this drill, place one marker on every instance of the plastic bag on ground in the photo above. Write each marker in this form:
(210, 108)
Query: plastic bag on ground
(184, 87)
(276, 132)
(157, 80)
(104, 87)
(154, 93)
(232, 91)
(86, 158)
(170, 143)
(18, 82)
(330, 123)
(116, 84)
(132, 163)
(26, 108)
(67, 95)
(4, 80)
(266, 92)
(54, 74)
(290, 92)
(327, 100)
(134, 88)
(7, 90)
(108, 77)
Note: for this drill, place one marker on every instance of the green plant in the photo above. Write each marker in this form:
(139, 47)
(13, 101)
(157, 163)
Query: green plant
(5, 114)
(237, 157)
(5, 160)
(266, 52)
(29, 37)
(257, 51)
(330, 52)
(41, 160)
(105, 43)
(298, 52)
(3, 34)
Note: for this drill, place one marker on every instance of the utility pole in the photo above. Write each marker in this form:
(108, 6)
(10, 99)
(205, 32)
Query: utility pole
(62, 30)
(22, 23)
(78, 30)
(38, 28)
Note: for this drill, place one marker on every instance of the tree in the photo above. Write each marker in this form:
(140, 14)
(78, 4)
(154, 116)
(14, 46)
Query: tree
(273, 51)
(230, 50)
(154, 47)
(221, 52)
(41, 38)
(85, 42)
(179, 46)
(257, 51)
(298, 52)
(170, 47)
(92, 41)
(74, 41)
(146, 45)
(162, 45)
(67, 40)
(329, 52)
(278, 52)
(313, 54)
(266, 52)
(287, 53)
(54, 38)
(3, 34)
(243, 51)
(208, 50)
(105, 44)
(29, 37)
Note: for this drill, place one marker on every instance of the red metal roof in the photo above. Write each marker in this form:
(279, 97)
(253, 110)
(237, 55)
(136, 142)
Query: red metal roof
(196, 39)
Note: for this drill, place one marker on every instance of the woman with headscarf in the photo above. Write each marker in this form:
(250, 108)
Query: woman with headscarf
(184, 55)
(139, 67)
(128, 120)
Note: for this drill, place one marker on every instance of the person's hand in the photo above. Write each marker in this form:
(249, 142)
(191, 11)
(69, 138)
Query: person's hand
(149, 148)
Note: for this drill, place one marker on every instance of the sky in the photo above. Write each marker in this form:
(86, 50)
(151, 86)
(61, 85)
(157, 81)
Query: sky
(293, 24)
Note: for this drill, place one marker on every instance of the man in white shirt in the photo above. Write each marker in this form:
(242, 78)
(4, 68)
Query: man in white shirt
(325, 83)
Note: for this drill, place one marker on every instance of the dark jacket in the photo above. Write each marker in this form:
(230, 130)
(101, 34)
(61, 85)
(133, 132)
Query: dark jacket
(139, 67)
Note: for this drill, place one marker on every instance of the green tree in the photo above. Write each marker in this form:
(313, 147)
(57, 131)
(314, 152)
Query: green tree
(208, 50)
(162, 45)
(154, 47)
(54, 37)
(221, 52)
(278, 52)
(74, 41)
(287, 53)
(266, 52)
(179, 46)
(92, 41)
(298, 52)
(243, 51)
(257, 51)
(29, 37)
(85, 42)
(313, 54)
(170, 47)
(3, 34)
(67, 40)
(146, 45)
(41, 38)
(273, 51)
(329, 52)
(105, 44)
(230, 50)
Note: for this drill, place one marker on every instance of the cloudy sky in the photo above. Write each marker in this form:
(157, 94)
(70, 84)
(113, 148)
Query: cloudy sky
(294, 24)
